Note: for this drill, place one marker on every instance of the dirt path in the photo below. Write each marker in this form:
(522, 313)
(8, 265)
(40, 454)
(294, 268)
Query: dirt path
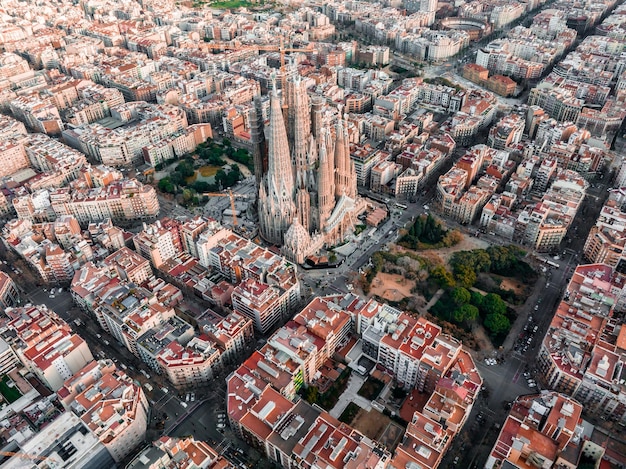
(482, 340)
(244, 169)
(467, 244)
(443, 255)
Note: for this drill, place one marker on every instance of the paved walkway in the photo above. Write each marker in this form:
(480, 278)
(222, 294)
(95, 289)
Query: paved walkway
(424, 309)
(350, 395)
(434, 299)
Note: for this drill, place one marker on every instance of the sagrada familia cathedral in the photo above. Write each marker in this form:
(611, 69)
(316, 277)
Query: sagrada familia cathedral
(307, 183)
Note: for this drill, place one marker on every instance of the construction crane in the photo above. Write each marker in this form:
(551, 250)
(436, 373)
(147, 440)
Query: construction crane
(23, 456)
(218, 45)
(232, 196)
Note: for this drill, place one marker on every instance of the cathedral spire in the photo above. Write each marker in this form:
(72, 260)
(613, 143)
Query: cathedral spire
(325, 184)
(259, 148)
(276, 195)
(299, 127)
(279, 163)
(342, 159)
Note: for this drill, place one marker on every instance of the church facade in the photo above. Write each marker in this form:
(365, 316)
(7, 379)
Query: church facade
(308, 193)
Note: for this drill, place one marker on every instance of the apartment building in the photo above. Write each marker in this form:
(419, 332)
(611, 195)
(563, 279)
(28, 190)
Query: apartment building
(60, 262)
(194, 364)
(9, 296)
(260, 391)
(413, 350)
(582, 352)
(543, 430)
(179, 453)
(365, 157)
(114, 408)
(65, 441)
(155, 340)
(12, 157)
(232, 334)
(264, 304)
(156, 243)
(506, 132)
(450, 187)
(120, 201)
(129, 265)
(607, 238)
(49, 156)
(46, 345)
(127, 312)
(39, 115)
(467, 207)
(559, 104)
(297, 435)
(190, 232)
(544, 224)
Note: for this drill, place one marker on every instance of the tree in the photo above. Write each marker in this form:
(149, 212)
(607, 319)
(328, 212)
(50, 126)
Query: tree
(466, 312)
(460, 296)
(165, 185)
(452, 238)
(493, 304)
(442, 276)
(177, 179)
(497, 323)
(230, 178)
(477, 259)
(465, 276)
(477, 299)
(311, 394)
(202, 186)
(504, 258)
(187, 195)
(185, 168)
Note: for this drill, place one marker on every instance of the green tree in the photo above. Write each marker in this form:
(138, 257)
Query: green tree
(497, 323)
(493, 304)
(504, 258)
(165, 185)
(311, 394)
(185, 168)
(466, 312)
(230, 178)
(460, 296)
(465, 276)
(201, 186)
(187, 195)
(477, 259)
(442, 276)
(177, 179)
(477, 299)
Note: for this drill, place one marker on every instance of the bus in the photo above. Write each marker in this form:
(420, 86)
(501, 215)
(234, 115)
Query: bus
(550, 263)
(402, 206)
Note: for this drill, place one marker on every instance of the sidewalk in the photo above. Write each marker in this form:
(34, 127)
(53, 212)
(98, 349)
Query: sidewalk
(350, 395)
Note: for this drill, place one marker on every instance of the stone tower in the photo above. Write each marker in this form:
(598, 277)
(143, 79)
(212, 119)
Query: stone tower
(325, 182)
(342, 160)
(277, 192)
